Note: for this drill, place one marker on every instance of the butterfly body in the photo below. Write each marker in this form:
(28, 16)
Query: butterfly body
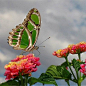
(25, 35)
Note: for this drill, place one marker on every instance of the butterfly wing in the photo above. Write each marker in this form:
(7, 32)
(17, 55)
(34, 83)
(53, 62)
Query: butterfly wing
(25, 35)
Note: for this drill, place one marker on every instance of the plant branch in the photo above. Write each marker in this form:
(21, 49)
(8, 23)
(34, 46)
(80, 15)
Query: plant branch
(70, 67)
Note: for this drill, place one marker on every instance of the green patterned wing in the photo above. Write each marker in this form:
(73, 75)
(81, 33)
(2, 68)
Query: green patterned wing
(25, 35)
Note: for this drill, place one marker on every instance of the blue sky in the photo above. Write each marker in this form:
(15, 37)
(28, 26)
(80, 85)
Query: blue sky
(62, 20)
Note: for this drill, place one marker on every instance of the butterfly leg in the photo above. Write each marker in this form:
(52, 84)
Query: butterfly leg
(39, 53)
(32, 51)
(22, 52)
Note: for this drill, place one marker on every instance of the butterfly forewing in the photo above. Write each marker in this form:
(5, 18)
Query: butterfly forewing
(25, 35)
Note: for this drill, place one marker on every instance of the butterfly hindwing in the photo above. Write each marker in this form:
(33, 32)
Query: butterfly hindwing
(25, 35)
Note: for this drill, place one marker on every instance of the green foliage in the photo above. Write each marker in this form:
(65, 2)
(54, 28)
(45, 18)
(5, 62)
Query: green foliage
(44, 78)
(76, 64)
(53, 72)
(10, 83)
(65, 64)
(83, 77)
(47, 79)
(58, 72)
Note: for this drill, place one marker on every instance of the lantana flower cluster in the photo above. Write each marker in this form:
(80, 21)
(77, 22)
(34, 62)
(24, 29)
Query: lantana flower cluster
(21, 64)
(61, 52)
(73, 49)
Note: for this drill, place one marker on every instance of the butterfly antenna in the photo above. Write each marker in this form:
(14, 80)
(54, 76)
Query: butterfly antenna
(44, 41)
(41, 46)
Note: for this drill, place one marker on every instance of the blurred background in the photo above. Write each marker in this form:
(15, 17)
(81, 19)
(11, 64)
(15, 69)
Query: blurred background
(64, 21)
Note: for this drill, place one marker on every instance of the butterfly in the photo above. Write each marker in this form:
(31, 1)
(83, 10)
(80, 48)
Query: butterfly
(24, 36)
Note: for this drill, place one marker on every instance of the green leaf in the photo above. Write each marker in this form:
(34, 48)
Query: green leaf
(65, 64)
(58, 72)
(64, 73)
(83, 77)
(47, 79)
(53, 72)
(76, 64)
(44, 78)
(10, 83)
(33, 80)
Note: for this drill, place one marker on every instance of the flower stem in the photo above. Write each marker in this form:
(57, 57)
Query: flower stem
(21, 79)
(79, 59)
(70, 67)
(77, 74)
(79, 78)
(26, 78)
(67, 82)
(79, 83)
(79, 56)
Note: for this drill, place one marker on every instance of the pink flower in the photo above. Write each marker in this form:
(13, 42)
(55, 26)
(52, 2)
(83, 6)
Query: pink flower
(23, 64)
(83, 68)
(61, 53)
(77, 48)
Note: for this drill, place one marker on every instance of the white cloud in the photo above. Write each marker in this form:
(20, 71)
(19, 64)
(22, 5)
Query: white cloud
(66, 10)
(5, 56)
(2, 79)
(8, 20)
